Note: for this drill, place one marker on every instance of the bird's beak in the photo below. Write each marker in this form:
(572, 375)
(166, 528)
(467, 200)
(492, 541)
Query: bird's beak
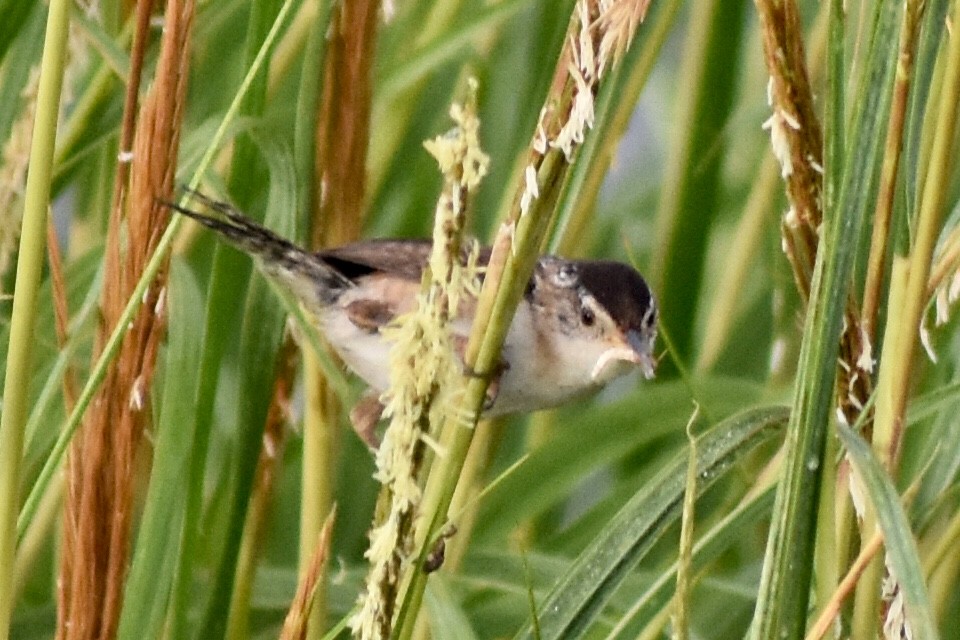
(639, 352)
(642, 348)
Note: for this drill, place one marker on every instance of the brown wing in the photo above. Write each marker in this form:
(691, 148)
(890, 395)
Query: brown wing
(369, 315)
(405, 258)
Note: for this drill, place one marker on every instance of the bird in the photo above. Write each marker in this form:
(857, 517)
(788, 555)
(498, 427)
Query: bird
(579, 325)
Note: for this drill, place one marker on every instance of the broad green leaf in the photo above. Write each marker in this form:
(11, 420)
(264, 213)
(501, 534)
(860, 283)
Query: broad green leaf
(260, 335)
(576, 600)
(447, 617)
(599, 435)
(690, 197)
(157, 549)
(901, 547)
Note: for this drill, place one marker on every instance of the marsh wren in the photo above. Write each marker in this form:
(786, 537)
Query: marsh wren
(580, 324)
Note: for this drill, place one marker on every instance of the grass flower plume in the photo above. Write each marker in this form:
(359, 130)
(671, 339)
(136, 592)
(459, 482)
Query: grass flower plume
(423, 371)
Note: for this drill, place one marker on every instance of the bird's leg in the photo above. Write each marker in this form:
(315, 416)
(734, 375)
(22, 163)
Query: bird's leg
(493, 376)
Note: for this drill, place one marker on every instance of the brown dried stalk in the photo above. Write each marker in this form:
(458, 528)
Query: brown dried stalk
(101, 468)
(797, 142)
(295, 624)
(61, 312)
(343, 132)
(128, 123)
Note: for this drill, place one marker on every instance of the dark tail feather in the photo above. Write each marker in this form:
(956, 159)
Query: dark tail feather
(277, 256)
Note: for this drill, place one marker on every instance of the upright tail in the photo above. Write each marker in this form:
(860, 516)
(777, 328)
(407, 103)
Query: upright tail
(305, 274)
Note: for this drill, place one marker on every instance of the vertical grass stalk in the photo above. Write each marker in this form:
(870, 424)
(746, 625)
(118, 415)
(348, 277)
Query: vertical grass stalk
(876, 263)
(928, 227)
(339, 129)
(682, 609)
(23, 317)
(101, 468)
(897, 365)
(111, 348)
(784, 590)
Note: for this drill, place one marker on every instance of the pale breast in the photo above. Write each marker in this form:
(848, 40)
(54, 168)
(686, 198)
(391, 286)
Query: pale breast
(539, 374)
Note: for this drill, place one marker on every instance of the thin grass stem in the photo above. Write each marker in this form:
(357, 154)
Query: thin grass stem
(929, 224)
(909, 31)
(23, 316)
(830, 610)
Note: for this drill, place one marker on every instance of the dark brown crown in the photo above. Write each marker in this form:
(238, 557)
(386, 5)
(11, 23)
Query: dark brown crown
(620, 289)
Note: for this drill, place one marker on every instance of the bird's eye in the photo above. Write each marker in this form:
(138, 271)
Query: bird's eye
(566, 275)
(587, 317)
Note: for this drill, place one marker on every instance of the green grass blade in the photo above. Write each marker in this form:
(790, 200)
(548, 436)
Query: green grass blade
(16, 73)
(551, 472)
(690, 199)
(23, 317)
(112, 346)
(902, 557)
(401, 75)
(718, 539)
(86, 280)
(577, 599)
(934, 20)
(448, 620)
(16, 14)
(784, 591)
(539, 492)
(157, 547)
(260, 335)
(115, 58)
